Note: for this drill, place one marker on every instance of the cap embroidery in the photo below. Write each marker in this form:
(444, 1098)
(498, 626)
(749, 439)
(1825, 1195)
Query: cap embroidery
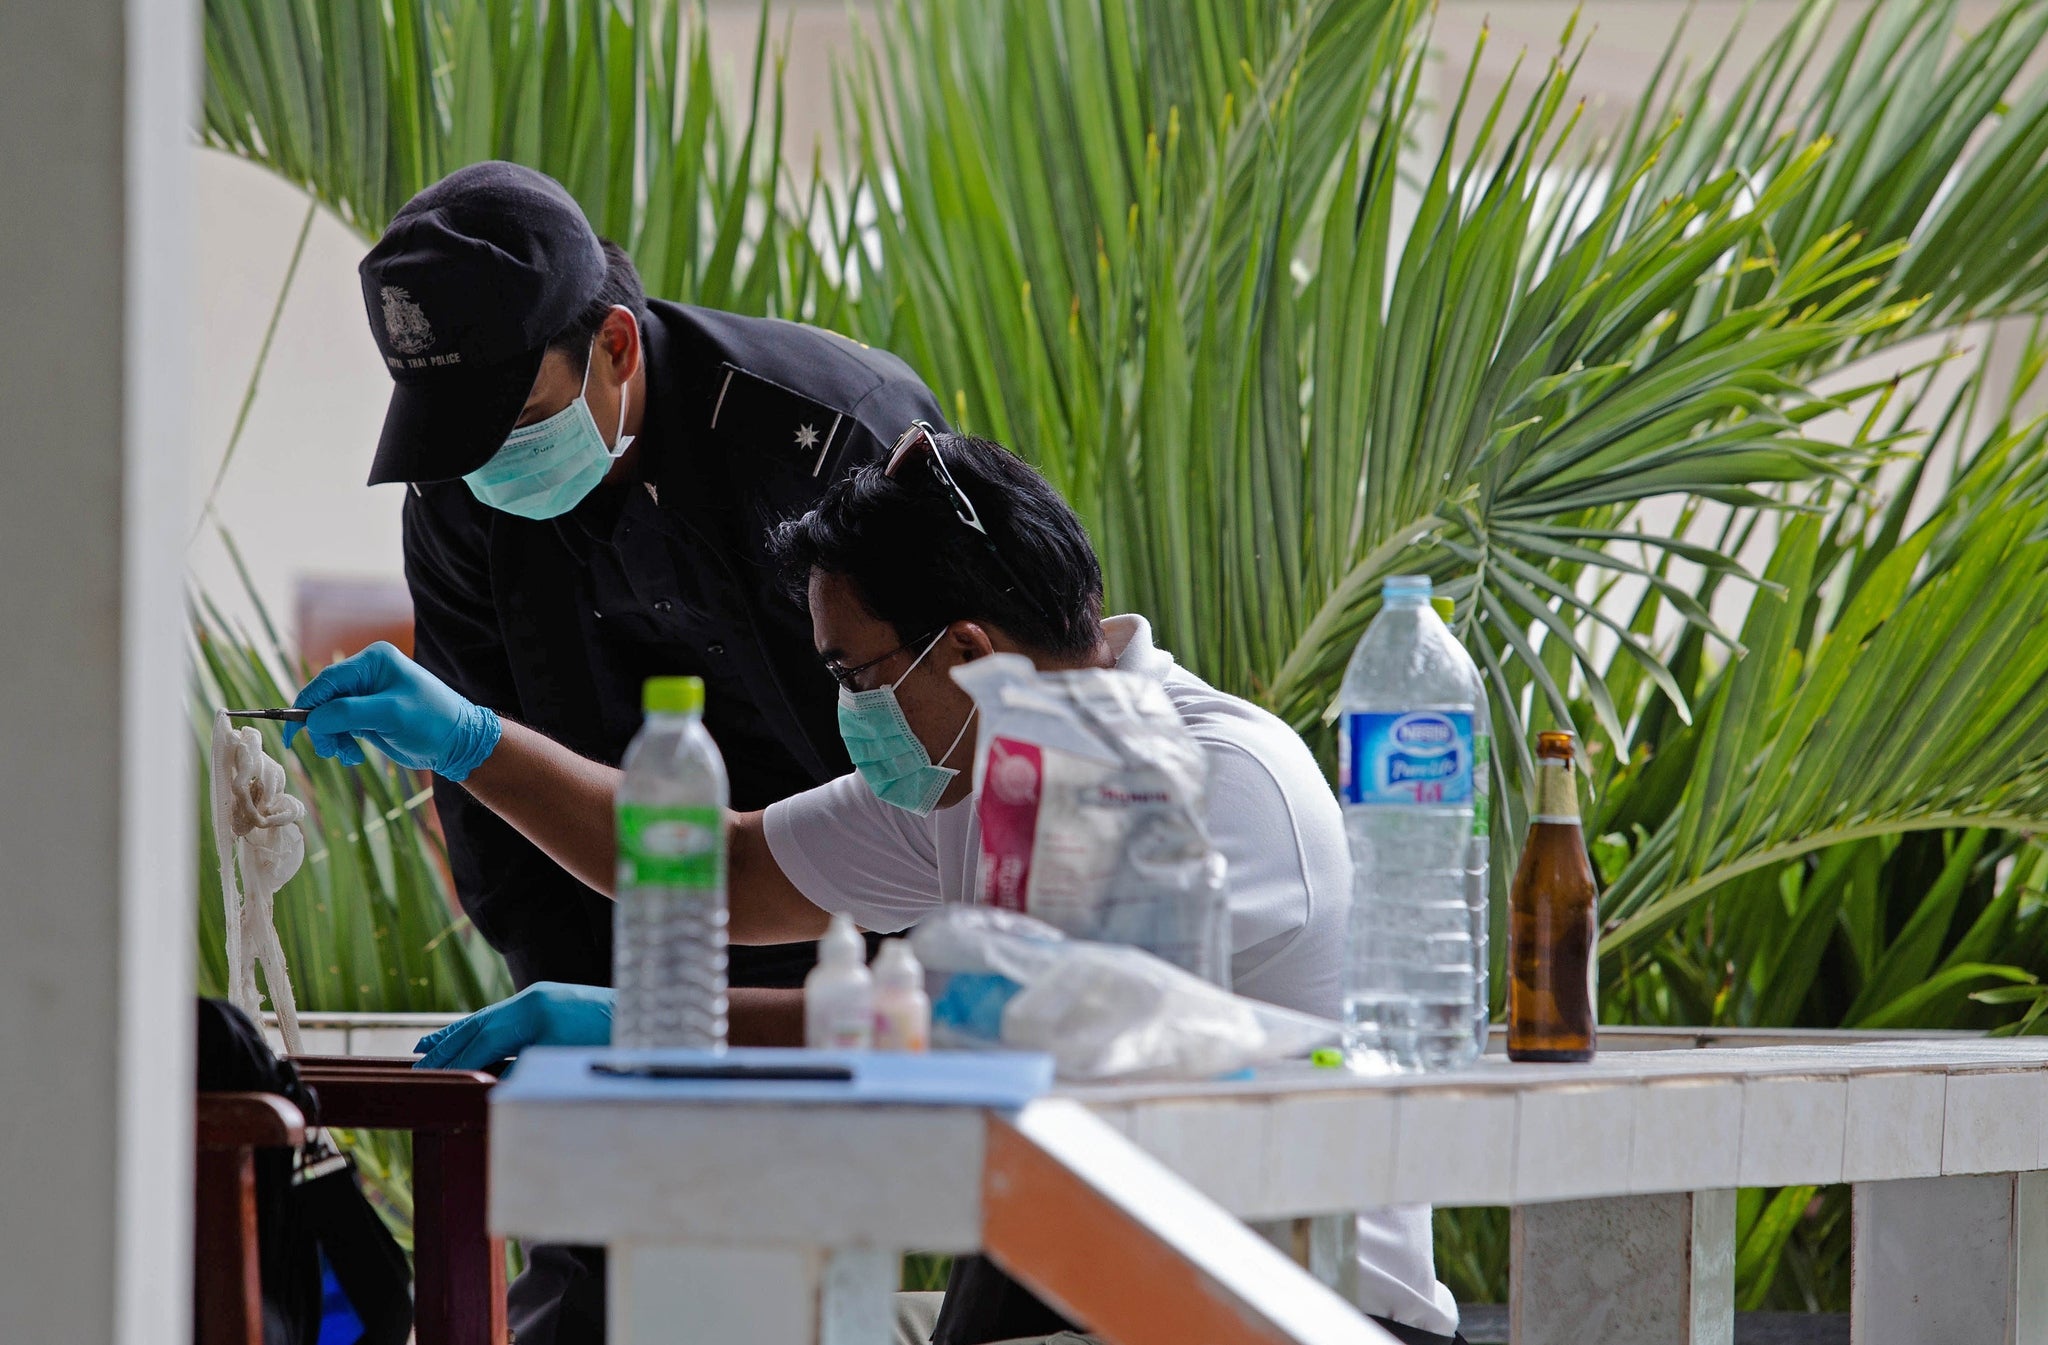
(405, 325)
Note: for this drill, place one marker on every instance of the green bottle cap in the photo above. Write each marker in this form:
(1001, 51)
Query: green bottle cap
(1444, 607)
(673, 696)
(1327, 1057)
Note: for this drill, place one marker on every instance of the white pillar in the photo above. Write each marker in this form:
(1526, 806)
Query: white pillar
(96, 869)
(1951, 1258)
(1634, 1270)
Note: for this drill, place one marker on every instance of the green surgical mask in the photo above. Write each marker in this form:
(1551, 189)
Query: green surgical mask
(886, 753)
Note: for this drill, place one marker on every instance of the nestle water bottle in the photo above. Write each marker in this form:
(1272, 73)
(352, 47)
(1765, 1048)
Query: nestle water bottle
(668, 927)
(1412, 737)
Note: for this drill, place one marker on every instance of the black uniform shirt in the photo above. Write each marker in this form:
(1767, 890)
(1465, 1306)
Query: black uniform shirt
(557, 623)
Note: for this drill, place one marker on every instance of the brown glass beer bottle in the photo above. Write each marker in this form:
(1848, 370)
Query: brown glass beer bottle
(1551, 921)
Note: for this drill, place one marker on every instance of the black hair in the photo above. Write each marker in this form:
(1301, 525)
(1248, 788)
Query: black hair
(917, 566)
(621, 289)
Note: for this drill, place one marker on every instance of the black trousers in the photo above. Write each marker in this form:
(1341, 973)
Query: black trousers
(559, 1298)
(984, 1305)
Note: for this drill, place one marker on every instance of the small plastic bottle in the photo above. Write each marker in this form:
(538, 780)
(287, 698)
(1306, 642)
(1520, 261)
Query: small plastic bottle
(839, 994)
(903, 1012)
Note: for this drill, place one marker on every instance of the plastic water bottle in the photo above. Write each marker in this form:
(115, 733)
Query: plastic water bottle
(668, 927)
(1478, 895)
(1412, 734)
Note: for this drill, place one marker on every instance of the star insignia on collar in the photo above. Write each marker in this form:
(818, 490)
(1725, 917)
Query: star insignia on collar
(806, 437)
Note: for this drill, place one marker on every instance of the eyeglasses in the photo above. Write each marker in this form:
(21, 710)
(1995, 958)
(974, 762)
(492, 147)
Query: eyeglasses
(921, 438)
(849, 678)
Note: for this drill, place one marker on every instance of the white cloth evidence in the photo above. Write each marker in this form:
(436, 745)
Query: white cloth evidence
(255, 820)
(1272, 815)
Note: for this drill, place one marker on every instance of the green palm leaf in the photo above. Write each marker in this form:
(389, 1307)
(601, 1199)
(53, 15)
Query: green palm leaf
(363, 103)
(1261, 422)
(1897, 685)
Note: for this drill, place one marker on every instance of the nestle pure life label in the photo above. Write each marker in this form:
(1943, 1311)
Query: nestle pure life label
(1422, 756)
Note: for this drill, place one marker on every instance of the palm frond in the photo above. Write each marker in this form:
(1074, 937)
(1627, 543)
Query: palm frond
(1916, 703)
(362, 103)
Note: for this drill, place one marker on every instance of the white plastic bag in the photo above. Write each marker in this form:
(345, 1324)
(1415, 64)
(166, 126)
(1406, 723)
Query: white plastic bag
(1093, 800)
(1102, 1012)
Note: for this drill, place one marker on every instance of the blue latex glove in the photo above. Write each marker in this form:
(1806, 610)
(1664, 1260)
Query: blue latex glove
(385, 699)
(546, 1013)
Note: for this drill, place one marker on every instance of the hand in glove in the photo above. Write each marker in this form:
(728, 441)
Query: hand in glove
(383, 698)
(546, 1013)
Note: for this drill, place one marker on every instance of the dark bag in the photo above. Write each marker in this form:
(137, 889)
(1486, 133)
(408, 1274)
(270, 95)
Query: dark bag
(309, 1207)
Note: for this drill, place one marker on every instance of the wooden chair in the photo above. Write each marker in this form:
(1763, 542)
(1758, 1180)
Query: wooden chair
(231, 1128)
(458, 1267)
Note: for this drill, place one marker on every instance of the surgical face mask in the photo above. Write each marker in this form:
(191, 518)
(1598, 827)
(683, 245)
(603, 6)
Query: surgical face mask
(545, 469)
(886, 753)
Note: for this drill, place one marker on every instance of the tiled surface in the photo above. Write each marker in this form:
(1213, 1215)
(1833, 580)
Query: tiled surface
(1893, 1129)
(1792, 1131)
(384, 1040)
(1574, 1142)
(1634, 1122)
(1454, 1148)
(1993, 1121)
(1688, 1136)
(316, 1040)
(1330, 1152)
(1218, 1148)
(359, 1034)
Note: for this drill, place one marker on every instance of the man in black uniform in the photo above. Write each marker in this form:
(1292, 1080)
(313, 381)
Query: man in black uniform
(593, 476)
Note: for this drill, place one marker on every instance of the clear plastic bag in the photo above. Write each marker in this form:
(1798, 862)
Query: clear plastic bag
(1093, 798)
(998, 978)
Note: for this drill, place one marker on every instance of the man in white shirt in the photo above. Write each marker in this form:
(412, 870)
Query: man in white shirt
(954, 550)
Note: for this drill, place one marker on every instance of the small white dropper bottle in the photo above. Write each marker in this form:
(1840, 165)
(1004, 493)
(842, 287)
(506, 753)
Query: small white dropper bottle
(839, 994)
(903, 1012)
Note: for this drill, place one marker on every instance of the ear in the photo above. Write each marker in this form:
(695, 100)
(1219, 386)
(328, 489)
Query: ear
(970, 640)
(619, 338)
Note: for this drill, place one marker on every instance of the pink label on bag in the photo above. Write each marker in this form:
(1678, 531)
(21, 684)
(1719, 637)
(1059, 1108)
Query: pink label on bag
(1008, 809)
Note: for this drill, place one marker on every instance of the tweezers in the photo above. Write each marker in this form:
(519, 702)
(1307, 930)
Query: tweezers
(292, 716)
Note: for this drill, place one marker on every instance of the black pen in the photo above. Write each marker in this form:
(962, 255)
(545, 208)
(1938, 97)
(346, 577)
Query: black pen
(727, 1071)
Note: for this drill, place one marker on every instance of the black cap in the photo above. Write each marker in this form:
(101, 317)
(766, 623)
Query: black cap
(465, 289)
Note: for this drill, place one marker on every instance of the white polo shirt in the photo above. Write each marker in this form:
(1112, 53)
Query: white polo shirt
(1273, 817)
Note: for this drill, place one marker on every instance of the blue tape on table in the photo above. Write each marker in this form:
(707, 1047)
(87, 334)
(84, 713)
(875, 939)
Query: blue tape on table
(1004, 1080)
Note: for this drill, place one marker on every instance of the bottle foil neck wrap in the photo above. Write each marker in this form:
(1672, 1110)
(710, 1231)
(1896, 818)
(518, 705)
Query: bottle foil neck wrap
(1557, 794)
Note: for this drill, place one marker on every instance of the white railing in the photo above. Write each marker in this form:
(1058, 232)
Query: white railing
(360, 1034)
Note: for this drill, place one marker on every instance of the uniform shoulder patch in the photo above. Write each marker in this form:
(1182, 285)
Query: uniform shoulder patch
(776, 421)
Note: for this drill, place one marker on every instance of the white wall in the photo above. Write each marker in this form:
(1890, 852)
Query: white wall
(293, 498)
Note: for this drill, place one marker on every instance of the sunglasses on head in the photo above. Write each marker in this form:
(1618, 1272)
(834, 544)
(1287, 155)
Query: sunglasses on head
(920, 443)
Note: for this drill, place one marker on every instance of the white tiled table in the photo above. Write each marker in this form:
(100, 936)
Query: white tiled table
(1629, 1163)
(1622, 1173)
